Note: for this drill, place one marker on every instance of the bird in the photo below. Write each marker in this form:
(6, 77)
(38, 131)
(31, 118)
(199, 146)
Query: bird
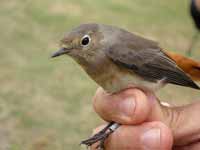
(195, 14)
(117, 59)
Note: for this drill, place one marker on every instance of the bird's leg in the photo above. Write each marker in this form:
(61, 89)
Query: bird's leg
(101, 135)
(194, 39)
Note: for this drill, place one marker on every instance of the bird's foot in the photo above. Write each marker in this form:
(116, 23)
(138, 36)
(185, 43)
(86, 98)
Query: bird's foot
(97, 138)
(101, 136)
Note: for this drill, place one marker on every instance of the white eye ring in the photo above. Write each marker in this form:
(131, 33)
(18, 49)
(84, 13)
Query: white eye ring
(85, 40)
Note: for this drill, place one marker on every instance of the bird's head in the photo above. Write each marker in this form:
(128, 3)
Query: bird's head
(81, 43)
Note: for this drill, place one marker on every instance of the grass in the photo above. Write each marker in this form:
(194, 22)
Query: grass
(46, 104)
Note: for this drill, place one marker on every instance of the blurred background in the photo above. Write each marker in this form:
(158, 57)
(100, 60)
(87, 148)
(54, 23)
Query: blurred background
(45, 104)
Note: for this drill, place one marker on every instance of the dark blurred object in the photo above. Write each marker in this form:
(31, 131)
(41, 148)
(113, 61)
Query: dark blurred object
(195, 13)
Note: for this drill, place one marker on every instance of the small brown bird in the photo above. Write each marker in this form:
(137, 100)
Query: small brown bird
(117, 59)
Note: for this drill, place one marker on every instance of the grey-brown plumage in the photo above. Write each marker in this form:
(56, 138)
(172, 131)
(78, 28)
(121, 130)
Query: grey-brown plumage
(117, 59)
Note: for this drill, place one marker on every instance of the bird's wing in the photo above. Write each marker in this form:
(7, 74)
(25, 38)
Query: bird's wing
(152, 64)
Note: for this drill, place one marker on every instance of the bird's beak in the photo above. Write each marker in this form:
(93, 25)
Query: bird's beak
(60, 52)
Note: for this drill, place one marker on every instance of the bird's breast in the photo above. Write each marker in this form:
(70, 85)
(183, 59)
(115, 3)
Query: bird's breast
(114, 79)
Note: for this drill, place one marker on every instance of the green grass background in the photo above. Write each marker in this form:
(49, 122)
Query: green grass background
(46, 104)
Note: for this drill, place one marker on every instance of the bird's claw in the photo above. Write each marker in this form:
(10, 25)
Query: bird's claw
(101, 136)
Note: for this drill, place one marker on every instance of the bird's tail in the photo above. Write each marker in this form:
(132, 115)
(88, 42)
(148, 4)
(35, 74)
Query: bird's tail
(188, 65)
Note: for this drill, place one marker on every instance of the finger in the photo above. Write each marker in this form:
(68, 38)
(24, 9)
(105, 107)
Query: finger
(130, 106)
(184, 122)
(193, 146)
(154, 135)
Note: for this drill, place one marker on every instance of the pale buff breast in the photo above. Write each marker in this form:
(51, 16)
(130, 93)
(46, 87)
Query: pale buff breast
(114, 79)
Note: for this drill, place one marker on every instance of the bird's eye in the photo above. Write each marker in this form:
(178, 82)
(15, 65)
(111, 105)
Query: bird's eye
(85, 40)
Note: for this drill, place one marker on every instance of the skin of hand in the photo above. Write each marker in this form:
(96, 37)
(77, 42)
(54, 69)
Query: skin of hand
(146, 124)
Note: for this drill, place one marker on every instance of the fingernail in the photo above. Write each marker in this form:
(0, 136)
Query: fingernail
(151, 139)
(128, 107)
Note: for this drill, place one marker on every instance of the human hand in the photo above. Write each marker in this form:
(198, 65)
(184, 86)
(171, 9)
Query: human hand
(146, 124)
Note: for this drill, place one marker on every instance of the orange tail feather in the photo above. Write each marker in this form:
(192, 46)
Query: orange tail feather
(190, 66)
